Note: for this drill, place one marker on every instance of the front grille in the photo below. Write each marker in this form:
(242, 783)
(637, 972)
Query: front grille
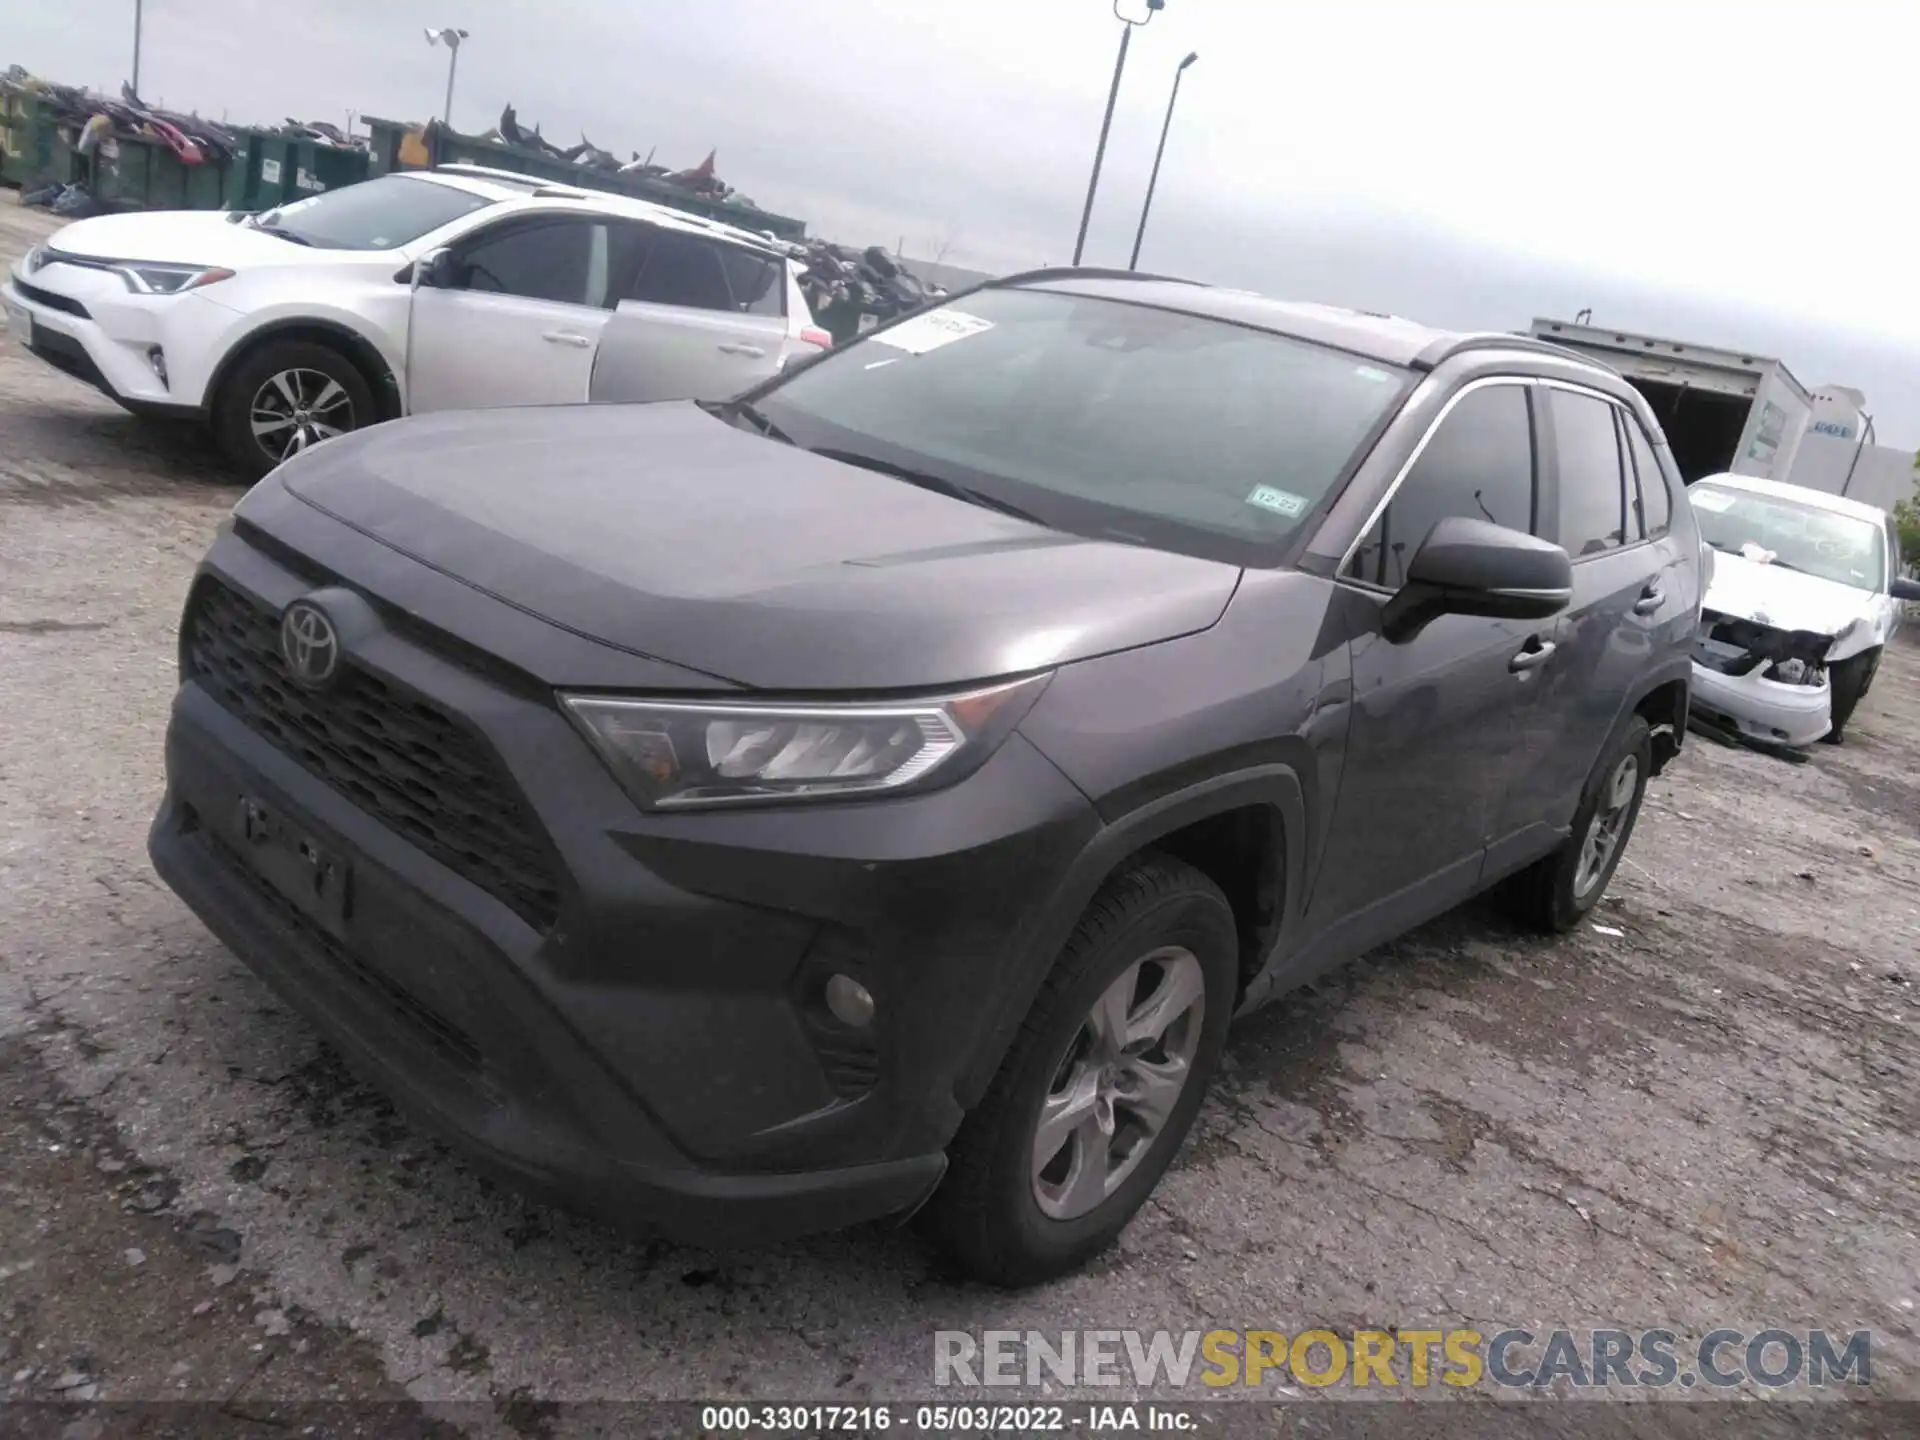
(52, 301)
(441, 1033)
(401, 759)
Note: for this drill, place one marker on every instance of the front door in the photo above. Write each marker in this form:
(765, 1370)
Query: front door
(1437, 717)
(522, 323)
(694, 318)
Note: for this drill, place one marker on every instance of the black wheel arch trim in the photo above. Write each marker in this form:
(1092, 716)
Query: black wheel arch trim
(361, 350)
(1276, 786)
(1677, 668)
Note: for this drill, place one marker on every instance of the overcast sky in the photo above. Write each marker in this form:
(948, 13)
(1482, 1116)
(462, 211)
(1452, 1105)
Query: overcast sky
(1701, 169)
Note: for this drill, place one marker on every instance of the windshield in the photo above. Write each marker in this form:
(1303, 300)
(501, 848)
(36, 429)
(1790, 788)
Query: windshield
(1105, 419)
(1792, 533)
(379, 214)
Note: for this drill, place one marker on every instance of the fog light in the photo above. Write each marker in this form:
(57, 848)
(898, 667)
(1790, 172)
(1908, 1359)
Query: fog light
(850, 1001)
(157, 358)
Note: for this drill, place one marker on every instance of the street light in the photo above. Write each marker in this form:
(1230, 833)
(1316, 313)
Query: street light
(1154, 179)
(136, 48)
(451, 38)
(1106, 123)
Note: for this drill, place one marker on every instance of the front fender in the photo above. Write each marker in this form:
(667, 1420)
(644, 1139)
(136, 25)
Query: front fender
(1275, 786)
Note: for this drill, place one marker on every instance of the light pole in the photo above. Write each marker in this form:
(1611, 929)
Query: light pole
(451, 38)
(136, 47)
(1154, 179)
(1106, 122)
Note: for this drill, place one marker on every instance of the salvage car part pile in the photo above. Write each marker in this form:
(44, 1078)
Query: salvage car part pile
(851, 291)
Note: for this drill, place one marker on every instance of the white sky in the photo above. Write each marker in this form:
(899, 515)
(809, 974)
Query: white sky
(1728, 173)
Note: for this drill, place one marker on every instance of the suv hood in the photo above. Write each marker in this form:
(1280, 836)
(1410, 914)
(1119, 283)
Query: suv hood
(668, 533)
(181, 237)
(1786, 599)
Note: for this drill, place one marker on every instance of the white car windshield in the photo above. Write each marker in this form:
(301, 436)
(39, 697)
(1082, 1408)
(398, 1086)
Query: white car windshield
(1792, 534)
(378, 214)
(1102, 418)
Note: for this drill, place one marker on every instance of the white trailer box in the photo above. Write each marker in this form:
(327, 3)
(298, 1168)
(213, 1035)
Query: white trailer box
(1722, 410)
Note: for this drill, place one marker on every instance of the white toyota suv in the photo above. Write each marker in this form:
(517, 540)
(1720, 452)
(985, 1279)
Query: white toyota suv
(455, 288)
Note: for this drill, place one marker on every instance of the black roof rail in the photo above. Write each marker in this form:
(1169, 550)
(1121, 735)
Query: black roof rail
(1449, 346)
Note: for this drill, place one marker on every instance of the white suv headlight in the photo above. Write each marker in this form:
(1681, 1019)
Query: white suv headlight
(672, 754)
(155, 278)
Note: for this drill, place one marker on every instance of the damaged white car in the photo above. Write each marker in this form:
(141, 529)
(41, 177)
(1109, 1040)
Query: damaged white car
(1804, 593)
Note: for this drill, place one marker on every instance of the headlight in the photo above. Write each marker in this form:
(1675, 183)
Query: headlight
(671, 754)
(157, 279)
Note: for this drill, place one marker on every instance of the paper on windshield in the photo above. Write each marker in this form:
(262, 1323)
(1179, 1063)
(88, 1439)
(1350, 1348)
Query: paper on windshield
(1715, 501)
(932, 330)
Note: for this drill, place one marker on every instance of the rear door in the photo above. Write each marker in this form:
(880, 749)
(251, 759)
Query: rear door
(522, 326)
(1624, 592)
(694, 318)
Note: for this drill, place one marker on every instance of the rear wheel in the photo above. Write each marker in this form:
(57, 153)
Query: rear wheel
(1556, 892)
(1848, 680)
(285, 397)
(1101, 1084)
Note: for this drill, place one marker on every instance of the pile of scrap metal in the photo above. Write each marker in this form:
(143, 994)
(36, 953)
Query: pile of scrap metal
(701, 179)
(102, 122)
(851, 291)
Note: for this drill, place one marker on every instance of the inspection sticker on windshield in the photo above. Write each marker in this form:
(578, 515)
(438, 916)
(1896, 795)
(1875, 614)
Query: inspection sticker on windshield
(932, 330)
(1280, 502)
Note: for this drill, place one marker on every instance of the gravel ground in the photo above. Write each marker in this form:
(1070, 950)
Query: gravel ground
(1706, 1114)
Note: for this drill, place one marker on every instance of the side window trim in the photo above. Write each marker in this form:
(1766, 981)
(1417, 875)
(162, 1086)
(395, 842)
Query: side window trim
(1621, 415)
(1379, 507)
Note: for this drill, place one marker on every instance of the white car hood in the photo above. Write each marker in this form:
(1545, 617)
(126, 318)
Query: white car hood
(1789, 599)
(183, 237)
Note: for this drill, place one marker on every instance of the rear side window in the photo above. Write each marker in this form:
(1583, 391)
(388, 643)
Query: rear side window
(1593, 497)
(756, 282)
(1650, 495)
(565, 262)
(1478, 465)
(680, 269)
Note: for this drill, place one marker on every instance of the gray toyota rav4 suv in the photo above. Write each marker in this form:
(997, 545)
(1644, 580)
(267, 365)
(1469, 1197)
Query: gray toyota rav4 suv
(874, 795)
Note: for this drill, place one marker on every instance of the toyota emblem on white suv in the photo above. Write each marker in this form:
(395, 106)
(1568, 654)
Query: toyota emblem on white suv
(309, 643)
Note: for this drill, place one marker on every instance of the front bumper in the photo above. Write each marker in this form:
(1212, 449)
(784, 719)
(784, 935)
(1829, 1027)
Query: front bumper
(655, 1052)
(99, 333)
(1770, 712)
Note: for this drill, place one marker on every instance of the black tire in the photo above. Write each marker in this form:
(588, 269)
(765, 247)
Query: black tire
(249, 379)
(986, 1213)
(1548, 895)
(1847, 681)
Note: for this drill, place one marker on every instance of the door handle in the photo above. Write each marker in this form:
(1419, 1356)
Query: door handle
(1533, 655)
(1651, 599)
(754, 350)
(566, 337)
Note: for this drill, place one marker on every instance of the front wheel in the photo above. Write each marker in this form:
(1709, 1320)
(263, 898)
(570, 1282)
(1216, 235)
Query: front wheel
(1556, 892)
(1101, 1084)
(285, 397)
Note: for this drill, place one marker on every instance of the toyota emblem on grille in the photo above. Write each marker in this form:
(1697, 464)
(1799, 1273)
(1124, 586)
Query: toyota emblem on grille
(309, 643)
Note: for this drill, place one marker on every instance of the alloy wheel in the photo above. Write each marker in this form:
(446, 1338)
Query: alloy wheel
(293, 409)
(1118, 1082)
(1608, 826)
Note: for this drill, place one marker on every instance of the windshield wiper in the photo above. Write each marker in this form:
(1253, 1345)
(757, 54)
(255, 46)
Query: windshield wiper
(939, 484)
(280, 232)
(725, 409)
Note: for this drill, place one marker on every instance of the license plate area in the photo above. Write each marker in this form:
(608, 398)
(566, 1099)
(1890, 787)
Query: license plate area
(19, 325)
(309, 875)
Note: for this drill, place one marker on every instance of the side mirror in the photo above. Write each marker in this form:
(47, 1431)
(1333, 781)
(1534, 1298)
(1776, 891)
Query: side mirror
(436, 269)
(1473, 567)
(1905, 589)
(797, 360)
